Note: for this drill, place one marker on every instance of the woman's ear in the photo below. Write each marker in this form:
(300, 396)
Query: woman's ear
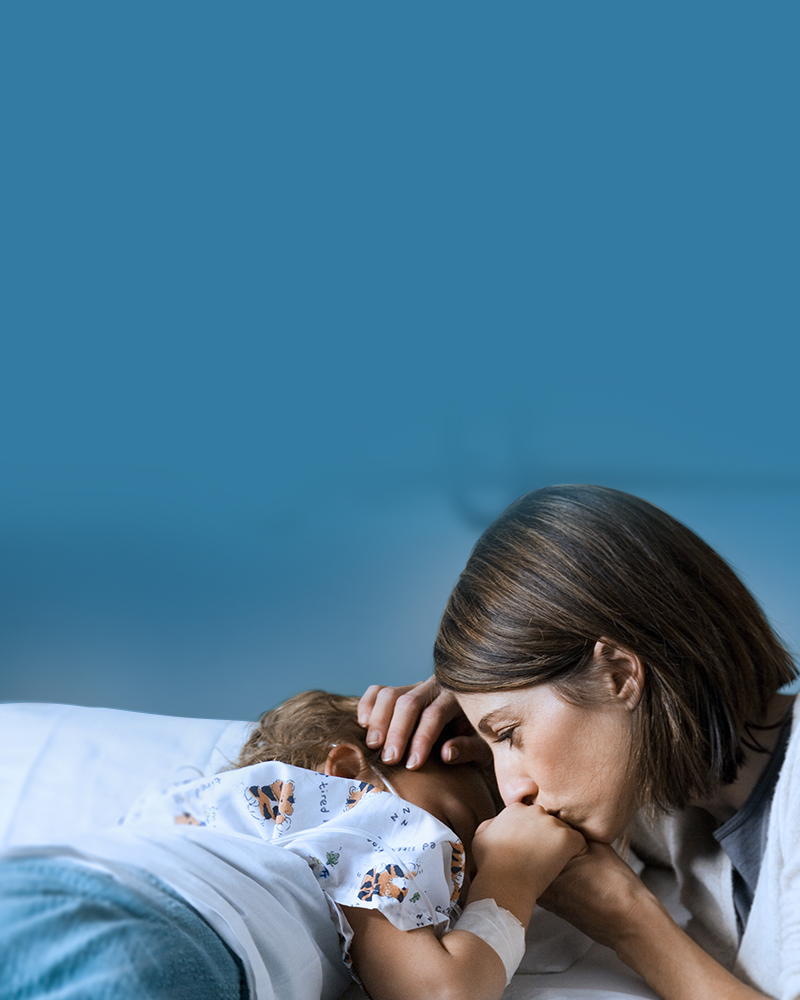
(346, 760)
(624, 672)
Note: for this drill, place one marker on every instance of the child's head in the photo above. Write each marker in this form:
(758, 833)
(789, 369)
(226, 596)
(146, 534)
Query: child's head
(320, 731)
(303, 730)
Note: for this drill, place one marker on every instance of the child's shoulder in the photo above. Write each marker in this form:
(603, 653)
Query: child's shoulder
(278, 796)
(293, 790)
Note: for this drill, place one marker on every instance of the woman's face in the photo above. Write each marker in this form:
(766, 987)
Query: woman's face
(571, 760)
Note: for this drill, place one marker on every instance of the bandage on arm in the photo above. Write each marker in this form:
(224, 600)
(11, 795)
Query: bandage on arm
(499, 928)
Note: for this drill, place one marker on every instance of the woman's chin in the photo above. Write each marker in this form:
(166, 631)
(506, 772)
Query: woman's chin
(601, 833)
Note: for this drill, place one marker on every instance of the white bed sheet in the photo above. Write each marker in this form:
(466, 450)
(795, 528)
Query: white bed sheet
(65, 768)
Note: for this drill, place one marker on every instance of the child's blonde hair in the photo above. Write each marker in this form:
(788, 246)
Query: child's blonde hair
(302, 730)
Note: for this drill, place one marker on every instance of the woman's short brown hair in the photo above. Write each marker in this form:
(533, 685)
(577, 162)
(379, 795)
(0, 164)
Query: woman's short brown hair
(566, 566)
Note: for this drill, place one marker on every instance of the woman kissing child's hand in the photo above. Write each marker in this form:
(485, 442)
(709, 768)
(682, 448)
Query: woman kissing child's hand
(518, 853)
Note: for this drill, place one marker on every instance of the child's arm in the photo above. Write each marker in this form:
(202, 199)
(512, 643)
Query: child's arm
(518, 854)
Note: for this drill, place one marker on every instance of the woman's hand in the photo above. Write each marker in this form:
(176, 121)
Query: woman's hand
(527, 841)
(518, 853)
(598, 893)
(419, 713)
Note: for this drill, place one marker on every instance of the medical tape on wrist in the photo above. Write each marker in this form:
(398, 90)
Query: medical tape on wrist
(499, 928)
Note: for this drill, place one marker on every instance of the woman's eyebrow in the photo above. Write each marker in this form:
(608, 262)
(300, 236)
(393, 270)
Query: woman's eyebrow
(486, 725)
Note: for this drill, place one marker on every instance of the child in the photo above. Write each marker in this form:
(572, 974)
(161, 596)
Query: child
(372, 865)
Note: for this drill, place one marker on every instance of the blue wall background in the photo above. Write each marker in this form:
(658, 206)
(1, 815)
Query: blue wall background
(298, 298)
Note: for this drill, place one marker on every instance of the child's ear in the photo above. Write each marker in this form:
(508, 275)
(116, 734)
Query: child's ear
(347, 760)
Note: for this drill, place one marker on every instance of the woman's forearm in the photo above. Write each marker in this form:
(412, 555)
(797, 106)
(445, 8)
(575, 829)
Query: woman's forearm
(603, 897)
(672, 964)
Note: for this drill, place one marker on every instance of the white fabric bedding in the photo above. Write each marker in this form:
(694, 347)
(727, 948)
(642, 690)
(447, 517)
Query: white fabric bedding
(64, 769)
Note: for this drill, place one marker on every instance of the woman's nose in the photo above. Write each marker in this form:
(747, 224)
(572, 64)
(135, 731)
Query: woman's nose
(517, 788)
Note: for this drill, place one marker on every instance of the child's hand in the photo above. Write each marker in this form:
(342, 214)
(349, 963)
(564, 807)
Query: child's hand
(524, 847)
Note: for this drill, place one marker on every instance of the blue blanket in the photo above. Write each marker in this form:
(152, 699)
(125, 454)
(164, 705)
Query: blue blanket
(72, 932)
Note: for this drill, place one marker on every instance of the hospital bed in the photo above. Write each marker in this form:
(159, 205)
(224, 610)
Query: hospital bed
(64, 769)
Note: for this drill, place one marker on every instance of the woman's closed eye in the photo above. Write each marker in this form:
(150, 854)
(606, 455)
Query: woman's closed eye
(506, 736)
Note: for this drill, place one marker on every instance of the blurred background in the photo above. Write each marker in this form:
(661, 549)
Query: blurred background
(297, 298)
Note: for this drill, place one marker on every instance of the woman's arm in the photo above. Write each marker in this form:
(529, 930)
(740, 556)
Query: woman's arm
(601, 895)
(518, 853)
(418, 713)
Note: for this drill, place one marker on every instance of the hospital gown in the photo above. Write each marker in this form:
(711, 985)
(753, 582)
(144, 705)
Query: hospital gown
(269, 854)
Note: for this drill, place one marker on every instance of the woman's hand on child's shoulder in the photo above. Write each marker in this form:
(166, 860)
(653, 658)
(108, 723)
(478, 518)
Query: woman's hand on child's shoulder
(526, 844)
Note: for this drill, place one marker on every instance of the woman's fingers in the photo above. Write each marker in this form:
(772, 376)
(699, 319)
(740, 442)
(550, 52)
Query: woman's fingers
(413, 716)
(432, 721)
(377, 707)
(392, 714)
(408, 717)
(367, 703)
(463, 749)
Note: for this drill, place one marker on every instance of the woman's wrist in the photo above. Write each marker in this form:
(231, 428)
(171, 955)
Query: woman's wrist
(601, 896)
(635, 930)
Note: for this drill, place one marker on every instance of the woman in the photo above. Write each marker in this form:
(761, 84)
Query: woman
(627, 681)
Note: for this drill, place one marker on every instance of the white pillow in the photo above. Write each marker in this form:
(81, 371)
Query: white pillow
(64, 769)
